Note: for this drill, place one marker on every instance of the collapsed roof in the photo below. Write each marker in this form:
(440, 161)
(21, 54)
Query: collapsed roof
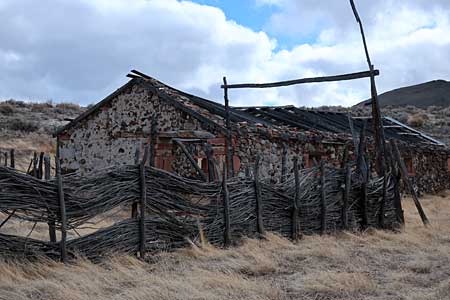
(271, 116)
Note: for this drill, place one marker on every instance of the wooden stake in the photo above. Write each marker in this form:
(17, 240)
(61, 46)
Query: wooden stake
(40, 172)
(12, 159)
(142, 206)
(226, 208)
(134, 205)
(210, 160)
(62, 206)
(323, 205)
(363, 205)
(259, 205)
(51, 218)
(229, 138)
(404, 173)
(296, 229)
(348, 186)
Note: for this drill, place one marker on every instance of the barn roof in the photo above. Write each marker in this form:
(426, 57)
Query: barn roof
(213, 114)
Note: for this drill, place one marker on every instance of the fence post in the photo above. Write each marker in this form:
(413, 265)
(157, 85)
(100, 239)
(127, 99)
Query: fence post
(134, 204)
(229, 135)
(259, 207)
(323, 205)
(40, 166)
(296, 230)
(226, 208)
(348, 186)
(6, 159)
(383, 201)
(12, 160)
(142, 209)
(34, 172)
(209, 156)
(364, 213)
(62, 207)
(51, 219)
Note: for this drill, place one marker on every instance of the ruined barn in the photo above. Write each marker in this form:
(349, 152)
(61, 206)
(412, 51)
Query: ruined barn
(187, 130)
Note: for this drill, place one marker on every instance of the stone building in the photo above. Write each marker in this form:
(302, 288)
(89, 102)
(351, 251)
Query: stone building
(118, 127)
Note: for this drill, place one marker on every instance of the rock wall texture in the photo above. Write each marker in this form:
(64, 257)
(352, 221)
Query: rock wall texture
(111, 135)
(116, 130)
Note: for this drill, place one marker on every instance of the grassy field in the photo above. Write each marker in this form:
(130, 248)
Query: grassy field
(413, 264)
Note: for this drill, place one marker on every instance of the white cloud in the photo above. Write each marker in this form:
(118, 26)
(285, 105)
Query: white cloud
(69, 50)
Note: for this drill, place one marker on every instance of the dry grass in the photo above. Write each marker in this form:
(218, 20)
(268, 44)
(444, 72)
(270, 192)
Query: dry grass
(371, 265)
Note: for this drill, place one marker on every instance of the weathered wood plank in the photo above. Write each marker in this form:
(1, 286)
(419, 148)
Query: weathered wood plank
(350, 76)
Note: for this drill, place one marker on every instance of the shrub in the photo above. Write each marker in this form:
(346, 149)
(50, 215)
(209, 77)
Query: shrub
(16, 103)
(6, 109)
(23, 125)
(68, 107)
(41, 107)
(417, 120)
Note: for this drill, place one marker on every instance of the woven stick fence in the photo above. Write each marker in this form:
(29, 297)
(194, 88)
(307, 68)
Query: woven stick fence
(177, 208)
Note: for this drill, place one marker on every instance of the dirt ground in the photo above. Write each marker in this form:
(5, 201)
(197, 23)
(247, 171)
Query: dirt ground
(412, 264)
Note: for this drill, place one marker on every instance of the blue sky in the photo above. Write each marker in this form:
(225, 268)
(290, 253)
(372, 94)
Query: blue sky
(257, 17)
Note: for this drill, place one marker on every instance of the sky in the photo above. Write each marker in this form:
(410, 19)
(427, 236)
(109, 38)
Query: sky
(81, 50)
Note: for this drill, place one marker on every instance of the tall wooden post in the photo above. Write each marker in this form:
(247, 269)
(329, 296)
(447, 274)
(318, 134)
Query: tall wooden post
(226, 208)
(62, 204)
(134, 205)
(323, 199)
(40, 172)
(258, 196)
(296, 229)
(229, 138)
(35, 161)
(346, 200)
(142, 206)
(210, 159)
(51, 217)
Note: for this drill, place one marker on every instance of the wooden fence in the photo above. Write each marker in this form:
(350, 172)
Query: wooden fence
(173, 210)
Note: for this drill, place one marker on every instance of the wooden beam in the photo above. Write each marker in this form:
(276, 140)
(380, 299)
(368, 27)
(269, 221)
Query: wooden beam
(350, 76)
(191, 159)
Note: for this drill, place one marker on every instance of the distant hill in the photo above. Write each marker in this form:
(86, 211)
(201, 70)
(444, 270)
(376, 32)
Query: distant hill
(433, 93)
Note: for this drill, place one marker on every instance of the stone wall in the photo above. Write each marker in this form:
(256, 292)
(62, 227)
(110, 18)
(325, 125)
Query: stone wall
(111, 135)
(428, 168)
